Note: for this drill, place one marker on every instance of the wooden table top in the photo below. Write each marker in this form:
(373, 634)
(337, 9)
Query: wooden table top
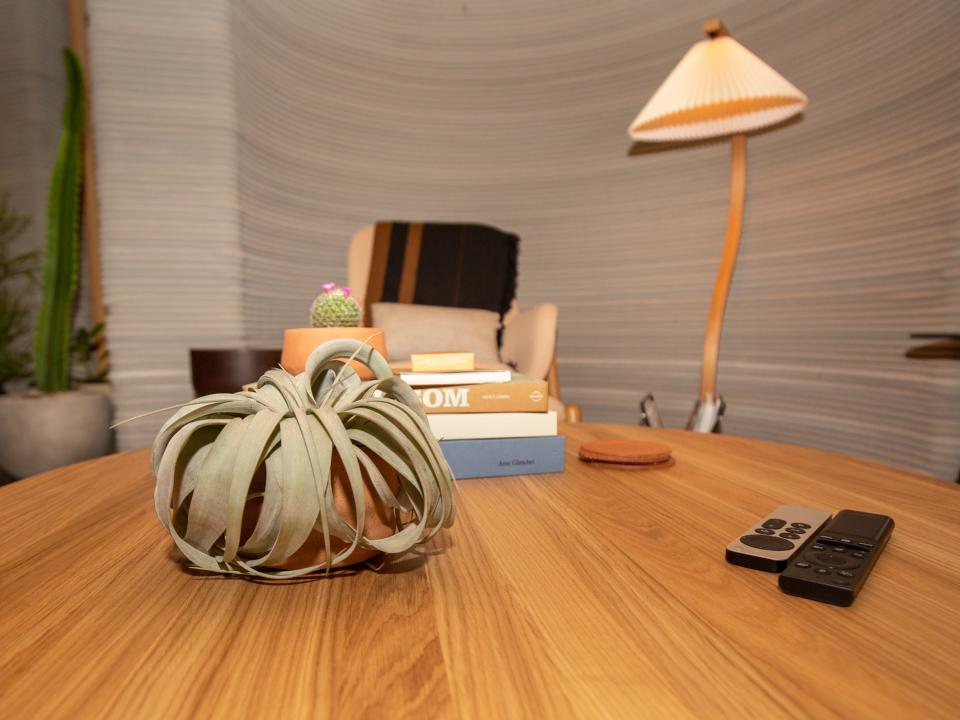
(596, 593)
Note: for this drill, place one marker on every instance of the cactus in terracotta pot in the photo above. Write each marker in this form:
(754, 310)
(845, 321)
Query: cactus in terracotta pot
(334, 315)
(335, 308)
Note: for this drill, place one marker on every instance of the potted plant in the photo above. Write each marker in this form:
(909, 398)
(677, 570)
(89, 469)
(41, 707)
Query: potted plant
(334, 315)
(54, 425)
(302, 474)
(16, 278)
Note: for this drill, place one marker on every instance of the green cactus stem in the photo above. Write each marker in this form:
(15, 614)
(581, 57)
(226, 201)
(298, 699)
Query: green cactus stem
(335, 308)
(51, 363)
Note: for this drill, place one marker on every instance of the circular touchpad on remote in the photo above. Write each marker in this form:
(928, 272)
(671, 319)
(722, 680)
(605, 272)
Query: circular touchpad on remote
(833, 560)
(766, 542)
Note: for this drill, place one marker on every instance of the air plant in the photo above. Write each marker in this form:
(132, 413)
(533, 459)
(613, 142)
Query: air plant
(335, 308)
(246, 480)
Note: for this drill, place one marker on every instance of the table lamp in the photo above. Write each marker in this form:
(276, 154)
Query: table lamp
(719, 88)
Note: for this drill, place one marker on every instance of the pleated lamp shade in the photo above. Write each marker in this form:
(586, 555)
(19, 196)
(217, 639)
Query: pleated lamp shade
(718, 88)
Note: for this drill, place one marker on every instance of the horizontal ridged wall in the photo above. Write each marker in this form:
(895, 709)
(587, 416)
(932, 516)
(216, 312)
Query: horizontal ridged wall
(167, 164)
(515, 114)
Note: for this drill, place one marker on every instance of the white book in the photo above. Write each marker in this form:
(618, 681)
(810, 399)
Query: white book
(455, 378)
(480, 426)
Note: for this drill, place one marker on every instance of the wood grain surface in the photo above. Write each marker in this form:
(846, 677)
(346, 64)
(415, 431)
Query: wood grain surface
(595, 593)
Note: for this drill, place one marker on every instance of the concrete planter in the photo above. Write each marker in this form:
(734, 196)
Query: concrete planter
(42, 431)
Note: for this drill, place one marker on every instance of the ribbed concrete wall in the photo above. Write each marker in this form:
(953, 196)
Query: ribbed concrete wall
(166, 126)
(514, 113)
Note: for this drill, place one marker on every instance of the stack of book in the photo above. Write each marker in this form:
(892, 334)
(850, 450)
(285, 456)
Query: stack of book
(489, 422)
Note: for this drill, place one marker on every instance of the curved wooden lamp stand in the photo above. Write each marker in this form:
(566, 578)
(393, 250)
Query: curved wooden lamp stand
(711, 343)
(718, 88)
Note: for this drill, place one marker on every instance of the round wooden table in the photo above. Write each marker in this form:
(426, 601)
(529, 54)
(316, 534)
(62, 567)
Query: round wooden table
(595, 593)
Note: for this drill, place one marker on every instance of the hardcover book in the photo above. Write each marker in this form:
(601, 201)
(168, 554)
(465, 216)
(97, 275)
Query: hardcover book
(504, 456)
(465, 426)
(476, 377)
(521, 394)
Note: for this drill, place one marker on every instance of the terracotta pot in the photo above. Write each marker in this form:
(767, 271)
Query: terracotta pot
(42, 431)
(379, 520)
(298, 343)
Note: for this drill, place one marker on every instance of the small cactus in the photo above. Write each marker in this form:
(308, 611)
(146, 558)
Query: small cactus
(335, 308)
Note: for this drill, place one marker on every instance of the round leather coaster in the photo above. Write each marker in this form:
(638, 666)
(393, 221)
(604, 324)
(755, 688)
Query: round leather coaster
(637, 454)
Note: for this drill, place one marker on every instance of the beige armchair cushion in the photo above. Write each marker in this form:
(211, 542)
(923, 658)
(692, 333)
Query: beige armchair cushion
(529, 339)
(412, 329)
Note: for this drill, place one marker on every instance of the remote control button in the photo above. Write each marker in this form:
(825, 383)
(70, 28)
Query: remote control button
(765, 542)
(822, 571)
(790, 536)
(832, 560)
(763, 531)
(818, 546)
(774, 523)
(798, 530)
(864, 545)
(825, 538)
(858, 554)
(846, 541)
(845, 573)
(801, 525)
(839, 549)
(802, 564)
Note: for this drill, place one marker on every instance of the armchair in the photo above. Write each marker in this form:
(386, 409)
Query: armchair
(413, 263)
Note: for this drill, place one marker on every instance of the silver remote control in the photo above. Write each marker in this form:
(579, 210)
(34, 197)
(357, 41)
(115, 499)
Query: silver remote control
(770, 544)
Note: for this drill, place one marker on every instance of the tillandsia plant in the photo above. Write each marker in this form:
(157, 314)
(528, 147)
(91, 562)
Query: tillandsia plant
(16, 277)
(335, 308)
(52, 353)
(248, 483)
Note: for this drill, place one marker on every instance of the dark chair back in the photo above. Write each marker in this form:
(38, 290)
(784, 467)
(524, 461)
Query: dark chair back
(227, 371)
(449, 264)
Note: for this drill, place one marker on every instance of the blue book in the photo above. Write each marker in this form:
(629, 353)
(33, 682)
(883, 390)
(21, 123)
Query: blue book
(504, 456)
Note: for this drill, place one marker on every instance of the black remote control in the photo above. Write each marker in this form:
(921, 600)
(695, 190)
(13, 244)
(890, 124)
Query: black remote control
(834, 568)
(771, 543)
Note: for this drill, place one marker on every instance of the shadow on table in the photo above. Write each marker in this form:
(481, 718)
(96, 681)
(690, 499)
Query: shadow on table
(413, 559)
(388, 565)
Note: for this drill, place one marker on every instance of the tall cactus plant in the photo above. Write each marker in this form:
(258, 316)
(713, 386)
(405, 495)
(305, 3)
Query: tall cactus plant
(51, 362)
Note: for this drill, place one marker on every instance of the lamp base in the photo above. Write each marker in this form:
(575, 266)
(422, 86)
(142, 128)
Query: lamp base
(707, 416)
